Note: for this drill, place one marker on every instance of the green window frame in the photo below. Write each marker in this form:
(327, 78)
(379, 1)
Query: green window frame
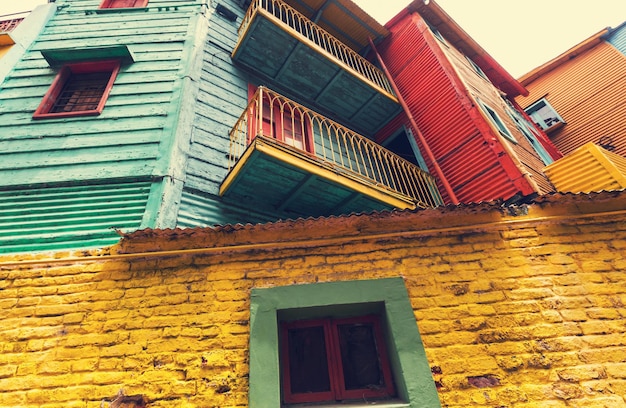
(388, 297)
(494, 118)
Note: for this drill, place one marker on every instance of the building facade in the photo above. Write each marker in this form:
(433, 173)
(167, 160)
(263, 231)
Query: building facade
(578, 97)
(516, 305)
(246, 112)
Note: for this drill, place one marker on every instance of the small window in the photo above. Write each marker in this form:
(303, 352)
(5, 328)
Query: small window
(527, 129)
(437, 33)
(495, 119)
(476, 68)
(123, 4)
(327, 360)
(544, 115)
(79, 90)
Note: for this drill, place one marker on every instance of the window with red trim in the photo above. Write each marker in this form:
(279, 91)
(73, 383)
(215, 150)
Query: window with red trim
(79, 89)
(123, 3)
(328, 360)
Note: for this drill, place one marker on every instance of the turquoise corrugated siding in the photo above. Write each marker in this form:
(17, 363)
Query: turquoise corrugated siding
(617, 38)
(52, 218)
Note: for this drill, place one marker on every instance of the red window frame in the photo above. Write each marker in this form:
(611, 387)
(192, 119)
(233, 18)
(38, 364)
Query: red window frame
(338, 390)
(64, 76)
(123, 4)
(281, 125)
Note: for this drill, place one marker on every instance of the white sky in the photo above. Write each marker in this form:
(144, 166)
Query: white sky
(519, 34)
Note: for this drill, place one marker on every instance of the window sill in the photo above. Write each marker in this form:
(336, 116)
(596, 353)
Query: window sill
(554, 127)
(359, 404)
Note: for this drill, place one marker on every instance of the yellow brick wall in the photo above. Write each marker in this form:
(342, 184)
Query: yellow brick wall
(519, 308)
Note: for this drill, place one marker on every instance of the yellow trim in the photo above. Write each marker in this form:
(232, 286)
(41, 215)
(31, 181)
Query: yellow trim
(234, 172)
(293, 158)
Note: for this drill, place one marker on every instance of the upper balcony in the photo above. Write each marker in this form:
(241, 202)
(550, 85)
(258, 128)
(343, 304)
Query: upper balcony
(285, 47)
(287, 159)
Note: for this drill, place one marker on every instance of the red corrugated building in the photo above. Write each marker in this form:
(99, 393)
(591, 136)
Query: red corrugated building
(462, 102)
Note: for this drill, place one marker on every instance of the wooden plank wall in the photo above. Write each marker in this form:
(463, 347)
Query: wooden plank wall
(50, 163)
(124, 140)
(222, 98)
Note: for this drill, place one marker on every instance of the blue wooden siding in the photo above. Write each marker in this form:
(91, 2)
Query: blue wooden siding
(617, 38)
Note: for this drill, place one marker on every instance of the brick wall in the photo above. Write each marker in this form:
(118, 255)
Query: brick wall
(517, 307)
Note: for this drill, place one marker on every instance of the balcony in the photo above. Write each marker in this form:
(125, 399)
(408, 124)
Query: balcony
(287, 159)
(293, 53)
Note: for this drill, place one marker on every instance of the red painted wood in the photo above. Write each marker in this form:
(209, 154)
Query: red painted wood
(472, 158)
(123, 3)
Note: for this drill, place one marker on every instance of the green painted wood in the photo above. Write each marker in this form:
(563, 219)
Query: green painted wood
(389, 297)
(292, 193)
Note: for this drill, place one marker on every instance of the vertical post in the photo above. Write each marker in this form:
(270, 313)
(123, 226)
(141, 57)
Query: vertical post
(420, 136)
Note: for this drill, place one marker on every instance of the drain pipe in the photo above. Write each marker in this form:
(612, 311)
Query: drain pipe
(405, 107)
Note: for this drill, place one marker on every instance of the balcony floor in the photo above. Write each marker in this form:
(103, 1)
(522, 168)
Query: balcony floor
(278, 179)
(280, 54)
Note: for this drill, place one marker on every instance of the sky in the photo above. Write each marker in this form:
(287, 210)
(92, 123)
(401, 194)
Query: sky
(519, 34)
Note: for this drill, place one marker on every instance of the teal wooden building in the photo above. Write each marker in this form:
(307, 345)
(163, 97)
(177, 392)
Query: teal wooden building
(132, 114)
(177, 136)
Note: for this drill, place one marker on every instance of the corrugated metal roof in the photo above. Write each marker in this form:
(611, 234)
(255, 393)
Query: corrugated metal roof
(610, 199)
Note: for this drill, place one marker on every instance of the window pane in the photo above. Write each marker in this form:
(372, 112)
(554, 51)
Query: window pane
(359, 356)
(308, 366)
(82, 92)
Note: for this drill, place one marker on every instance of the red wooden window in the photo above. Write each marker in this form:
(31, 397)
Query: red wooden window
(334, 360)
(79, 90)
(123, 3)
(282, 121)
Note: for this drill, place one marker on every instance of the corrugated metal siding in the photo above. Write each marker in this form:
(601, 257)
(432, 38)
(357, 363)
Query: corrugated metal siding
(588, 93)
(201, 210)
(617, 38)
(588, 168)
(53, 218)
(124, 140)
(470, 165)
(131, 139)
(528, 158)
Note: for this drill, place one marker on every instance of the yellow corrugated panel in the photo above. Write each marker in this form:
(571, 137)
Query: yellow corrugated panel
(588, 92)
(588, 168)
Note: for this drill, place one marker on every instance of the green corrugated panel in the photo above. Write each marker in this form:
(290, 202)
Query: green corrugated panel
(53, 218)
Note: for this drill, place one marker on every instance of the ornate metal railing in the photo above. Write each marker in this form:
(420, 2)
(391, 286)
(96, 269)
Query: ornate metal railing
(9, 25)
(319, 37)
(273, 116)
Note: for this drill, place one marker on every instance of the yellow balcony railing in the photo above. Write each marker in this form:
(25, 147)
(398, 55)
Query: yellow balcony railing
(307, 31)
(310, 135)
